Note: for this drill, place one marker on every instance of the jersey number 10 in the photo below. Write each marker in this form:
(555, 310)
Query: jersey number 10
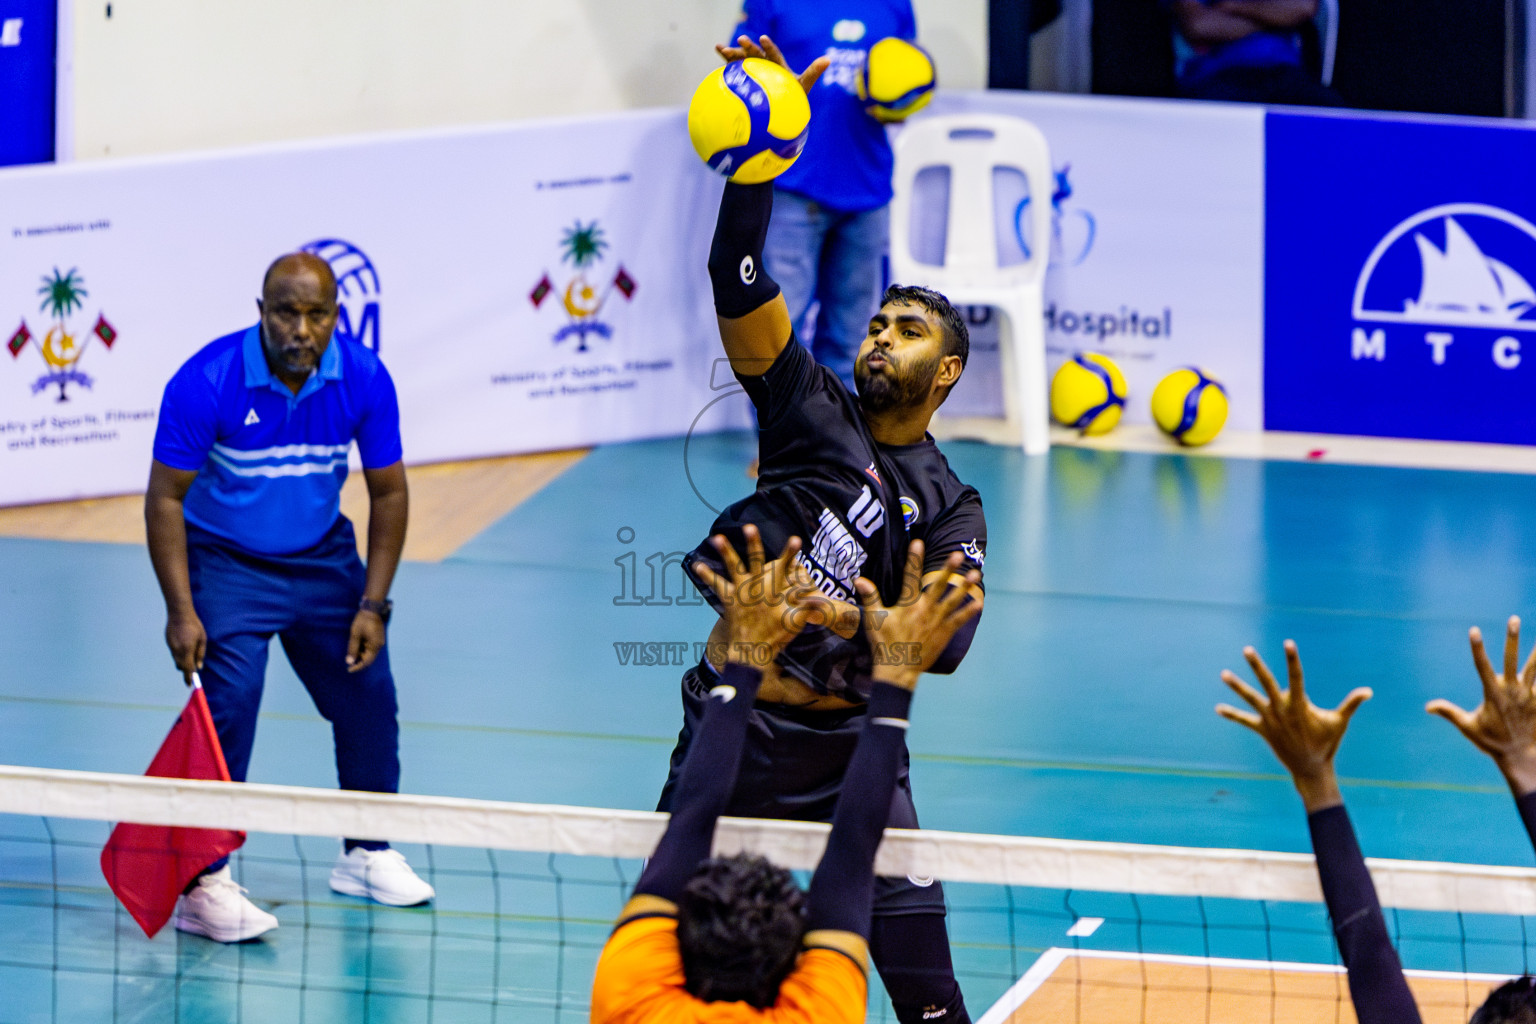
(866, 514)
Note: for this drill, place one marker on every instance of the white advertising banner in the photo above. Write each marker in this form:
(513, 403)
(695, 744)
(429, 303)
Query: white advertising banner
(1157, 254)
(542, 285)
(530, 287)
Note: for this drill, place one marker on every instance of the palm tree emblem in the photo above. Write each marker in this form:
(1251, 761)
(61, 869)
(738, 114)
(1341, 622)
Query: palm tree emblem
(63, 294)
(582, 246)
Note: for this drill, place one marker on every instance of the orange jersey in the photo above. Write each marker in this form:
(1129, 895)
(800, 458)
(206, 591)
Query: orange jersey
(640, 978)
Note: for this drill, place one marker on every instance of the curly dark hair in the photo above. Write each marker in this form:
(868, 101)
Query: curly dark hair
(957, 336)
(740, 922)
(1513, 1002)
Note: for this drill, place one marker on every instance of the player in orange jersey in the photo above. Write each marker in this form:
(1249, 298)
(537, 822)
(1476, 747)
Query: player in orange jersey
(726, 940)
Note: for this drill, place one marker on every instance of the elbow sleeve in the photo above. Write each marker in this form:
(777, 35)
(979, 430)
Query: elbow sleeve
(956, 650)
(736, 256)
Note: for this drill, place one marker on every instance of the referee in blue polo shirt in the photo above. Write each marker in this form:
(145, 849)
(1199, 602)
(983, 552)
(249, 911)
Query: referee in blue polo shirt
(248, 540)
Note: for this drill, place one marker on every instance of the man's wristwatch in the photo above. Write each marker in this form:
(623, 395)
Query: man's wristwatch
(380, 608)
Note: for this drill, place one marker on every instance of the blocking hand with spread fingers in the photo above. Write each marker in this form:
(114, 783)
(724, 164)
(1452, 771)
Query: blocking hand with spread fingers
(908, 638)
(761, 601)
(1503, 726)
(1303, 736)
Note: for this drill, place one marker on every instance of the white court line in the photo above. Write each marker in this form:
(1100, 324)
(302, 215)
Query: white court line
(1325, 448)
(1038, 974)
(1043, 969)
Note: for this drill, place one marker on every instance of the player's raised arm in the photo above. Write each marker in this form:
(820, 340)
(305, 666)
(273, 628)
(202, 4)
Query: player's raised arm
(906, 639)
(754, 321)
(1305, 738)
(1503, 726)
(757, 602)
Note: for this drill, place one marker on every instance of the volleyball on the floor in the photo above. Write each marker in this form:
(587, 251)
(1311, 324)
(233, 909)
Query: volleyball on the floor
(897, 79)
(748, 120)
(1088, 393)
(1190, 406)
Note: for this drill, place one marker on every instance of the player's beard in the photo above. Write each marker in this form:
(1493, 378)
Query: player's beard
(897, 386)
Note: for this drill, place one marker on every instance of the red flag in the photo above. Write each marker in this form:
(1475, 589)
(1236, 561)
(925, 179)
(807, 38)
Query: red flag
(19, 340)
(540, 290)
(148, 866)
(624, 283)
(105, 331)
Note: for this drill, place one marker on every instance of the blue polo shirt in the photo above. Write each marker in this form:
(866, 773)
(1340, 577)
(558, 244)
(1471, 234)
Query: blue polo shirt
(847, 162)
(270, 463)
(1261, 49)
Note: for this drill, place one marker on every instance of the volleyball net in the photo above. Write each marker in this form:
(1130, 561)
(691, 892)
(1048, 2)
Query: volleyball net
(1042, 929)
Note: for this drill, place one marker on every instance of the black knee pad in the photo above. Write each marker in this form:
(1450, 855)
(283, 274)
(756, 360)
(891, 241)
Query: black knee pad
(949, 1011)
(911, 952)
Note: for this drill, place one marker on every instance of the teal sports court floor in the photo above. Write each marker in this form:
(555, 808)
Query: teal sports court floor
(1118, 586)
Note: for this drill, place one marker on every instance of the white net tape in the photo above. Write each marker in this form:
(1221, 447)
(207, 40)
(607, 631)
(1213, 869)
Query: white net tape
(952, 856)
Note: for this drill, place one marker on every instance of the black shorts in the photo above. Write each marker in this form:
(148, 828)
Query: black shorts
(792, 766)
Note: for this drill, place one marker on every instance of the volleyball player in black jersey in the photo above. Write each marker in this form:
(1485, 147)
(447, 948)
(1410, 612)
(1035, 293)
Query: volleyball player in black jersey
(1305, 738)
(858, 477)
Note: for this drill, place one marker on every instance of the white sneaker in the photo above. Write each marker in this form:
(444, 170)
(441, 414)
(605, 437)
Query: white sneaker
(381, 875)
(217, 908)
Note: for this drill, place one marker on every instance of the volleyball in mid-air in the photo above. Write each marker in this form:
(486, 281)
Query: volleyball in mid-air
(1190, 406)
(897, 79)
(1088, 393)
(748, 120)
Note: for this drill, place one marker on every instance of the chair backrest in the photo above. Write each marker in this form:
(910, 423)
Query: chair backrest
(971, 146)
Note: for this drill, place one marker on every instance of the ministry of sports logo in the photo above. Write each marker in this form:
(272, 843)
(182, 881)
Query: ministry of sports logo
(1464, 269)
(357, 289)
(582, 246)
(62, 345)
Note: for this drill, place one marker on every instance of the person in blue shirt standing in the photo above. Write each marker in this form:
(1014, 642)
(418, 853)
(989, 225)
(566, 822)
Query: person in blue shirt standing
(248, 541)
(831, 219)
(1245, 51)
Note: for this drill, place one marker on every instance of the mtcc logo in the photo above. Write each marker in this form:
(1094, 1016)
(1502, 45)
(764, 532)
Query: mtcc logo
(1072, 230)
(61, 346)
(1463, 271)
(582, 247)
(357, 289)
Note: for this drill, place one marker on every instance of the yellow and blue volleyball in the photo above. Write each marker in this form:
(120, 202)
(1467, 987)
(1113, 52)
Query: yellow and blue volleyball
(1088, 393)
(1190, 406)
(748, 120)
(897, 79)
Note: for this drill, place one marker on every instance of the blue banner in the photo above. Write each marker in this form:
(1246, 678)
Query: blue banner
(28, 43)
(1400, 278)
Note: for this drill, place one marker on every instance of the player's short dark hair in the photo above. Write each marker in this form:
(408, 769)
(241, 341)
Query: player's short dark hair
(1513, 1002)
(957, 336)
(740, 924)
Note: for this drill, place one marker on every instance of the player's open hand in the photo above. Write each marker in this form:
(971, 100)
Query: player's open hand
(761, 597)
(365, 641)
(1503, 726)
(765, 49)
(907, 639)
(1303, 736)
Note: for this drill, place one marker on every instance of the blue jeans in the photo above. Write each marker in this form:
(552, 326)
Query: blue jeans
(817, 253)
(308, 600)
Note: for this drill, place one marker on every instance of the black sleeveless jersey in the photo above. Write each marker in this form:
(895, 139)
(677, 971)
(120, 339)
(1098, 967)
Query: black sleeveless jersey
(854, 503)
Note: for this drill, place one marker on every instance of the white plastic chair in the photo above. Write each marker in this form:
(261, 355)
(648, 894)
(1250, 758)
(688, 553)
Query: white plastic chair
(972, 274)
